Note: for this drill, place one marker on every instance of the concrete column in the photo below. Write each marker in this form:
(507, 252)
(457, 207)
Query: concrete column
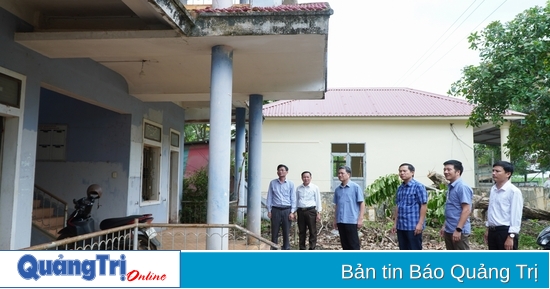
(504, 132)
(220, 4)
(219, 153)
(240, 141)
(254, 200)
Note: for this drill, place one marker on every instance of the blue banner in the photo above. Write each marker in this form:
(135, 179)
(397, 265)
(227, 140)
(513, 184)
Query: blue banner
(364, 269)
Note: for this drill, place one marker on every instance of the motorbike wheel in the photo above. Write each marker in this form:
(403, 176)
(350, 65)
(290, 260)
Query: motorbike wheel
(144, 244)
(66, 236)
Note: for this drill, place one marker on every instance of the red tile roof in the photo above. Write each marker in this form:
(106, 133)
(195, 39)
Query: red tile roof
(365, 102)
(280, 8)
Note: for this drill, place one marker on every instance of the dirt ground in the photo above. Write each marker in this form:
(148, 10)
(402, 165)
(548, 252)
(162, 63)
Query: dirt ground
(376, 236)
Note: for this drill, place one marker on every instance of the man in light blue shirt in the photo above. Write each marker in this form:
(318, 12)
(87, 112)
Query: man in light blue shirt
(457, 229)
(349, 208)
(281, 205)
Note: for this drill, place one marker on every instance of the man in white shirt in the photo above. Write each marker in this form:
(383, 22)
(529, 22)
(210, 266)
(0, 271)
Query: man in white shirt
(308, 202)
(505, 210)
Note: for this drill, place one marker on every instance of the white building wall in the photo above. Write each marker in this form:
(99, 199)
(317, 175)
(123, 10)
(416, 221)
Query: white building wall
(306, 145)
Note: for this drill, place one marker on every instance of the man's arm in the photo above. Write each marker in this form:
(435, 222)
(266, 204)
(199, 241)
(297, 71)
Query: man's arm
(292, 198)
(516, 212)
(334, 226)
(318, 203)
(464, 215)
(423, 199)
(361, 214)
(423, 210)
(293, 201)
(457, 236)
(395, 214)
(360, 197)
(269, 200)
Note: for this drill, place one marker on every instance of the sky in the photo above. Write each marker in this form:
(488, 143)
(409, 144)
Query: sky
(419, 44)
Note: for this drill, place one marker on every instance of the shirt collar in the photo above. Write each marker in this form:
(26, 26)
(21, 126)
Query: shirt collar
(453, 184)
(505, 186)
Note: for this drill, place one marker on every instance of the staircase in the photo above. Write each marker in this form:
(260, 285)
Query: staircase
(48, 212)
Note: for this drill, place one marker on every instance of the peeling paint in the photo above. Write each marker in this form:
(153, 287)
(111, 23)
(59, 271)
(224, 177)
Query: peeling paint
(246, 22)
(232, 25)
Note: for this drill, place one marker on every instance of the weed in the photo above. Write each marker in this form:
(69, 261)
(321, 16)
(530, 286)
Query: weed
(478, 235)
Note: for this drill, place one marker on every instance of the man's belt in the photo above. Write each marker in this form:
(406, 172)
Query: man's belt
(498, 228)
(281, 208)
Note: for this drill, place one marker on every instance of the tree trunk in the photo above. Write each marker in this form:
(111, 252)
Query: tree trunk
(438, 179)
(528, 213)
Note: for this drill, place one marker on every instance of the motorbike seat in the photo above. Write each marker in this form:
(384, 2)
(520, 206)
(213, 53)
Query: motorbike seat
(117, 222)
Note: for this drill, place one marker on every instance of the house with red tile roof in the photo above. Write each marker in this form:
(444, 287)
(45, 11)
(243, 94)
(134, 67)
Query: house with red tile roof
(372, 130)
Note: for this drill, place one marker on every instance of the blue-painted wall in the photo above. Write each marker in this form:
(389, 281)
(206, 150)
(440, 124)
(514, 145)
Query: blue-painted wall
(105, 134)
(95, 134)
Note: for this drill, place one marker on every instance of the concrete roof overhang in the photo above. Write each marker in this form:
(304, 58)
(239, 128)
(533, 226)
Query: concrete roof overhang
(164, 51)
(489, 134)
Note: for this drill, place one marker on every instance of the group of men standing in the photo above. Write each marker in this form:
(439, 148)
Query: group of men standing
(503, 215)
(283, 201)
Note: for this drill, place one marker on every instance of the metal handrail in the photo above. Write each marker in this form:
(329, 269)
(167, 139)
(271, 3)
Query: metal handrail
(60, 243)
(135, 226)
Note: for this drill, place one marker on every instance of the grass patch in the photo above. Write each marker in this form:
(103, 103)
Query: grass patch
(478, 235)
(527, 236)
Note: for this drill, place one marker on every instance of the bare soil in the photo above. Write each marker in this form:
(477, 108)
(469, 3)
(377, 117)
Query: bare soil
(377, 236)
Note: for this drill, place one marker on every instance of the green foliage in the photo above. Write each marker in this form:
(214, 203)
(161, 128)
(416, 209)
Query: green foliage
(196, 132)
(194, 199)
(382, 191)
(478, 234)
(527, 242)
(486, 155)
(435, 215)
(527, 238)
(529, 233)
(513, 73)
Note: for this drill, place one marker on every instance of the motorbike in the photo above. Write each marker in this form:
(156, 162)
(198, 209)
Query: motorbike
(543, 239)
(146, 238)
(80, 222)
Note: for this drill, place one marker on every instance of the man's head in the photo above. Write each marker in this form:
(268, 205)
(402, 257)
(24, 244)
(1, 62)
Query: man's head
(452, 169)
(502, 171)
(406, 172)
(344, 173)
(282, 170)
(306, 178)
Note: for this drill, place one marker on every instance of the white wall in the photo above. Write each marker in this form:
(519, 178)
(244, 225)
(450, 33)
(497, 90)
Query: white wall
(306, 145)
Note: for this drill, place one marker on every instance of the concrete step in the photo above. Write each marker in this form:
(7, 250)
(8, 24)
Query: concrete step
(49, 223)
(39, 213)
(54, 232)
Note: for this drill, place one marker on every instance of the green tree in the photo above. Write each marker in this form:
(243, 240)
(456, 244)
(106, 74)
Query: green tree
(200, 132)
(513, 73)
(382, 193)
(194, 198)
(197, 132)
(486, 155)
